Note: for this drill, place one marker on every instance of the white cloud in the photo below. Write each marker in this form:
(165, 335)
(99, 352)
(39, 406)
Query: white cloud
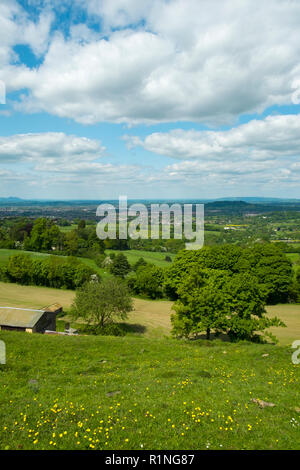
(51, 146)
(258, 140)
(58, 159)
(260, 153)
(18, 28)
(186, 60)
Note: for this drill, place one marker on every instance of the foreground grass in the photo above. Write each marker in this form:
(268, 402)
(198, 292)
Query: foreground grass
(137, 393)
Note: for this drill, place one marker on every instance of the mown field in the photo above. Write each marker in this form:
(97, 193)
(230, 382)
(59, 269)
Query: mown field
(137, 393)
(149, 318)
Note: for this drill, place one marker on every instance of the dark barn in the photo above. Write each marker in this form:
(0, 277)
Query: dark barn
(29, 320)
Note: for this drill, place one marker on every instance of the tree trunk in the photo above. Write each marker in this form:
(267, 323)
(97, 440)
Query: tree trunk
(208, 333)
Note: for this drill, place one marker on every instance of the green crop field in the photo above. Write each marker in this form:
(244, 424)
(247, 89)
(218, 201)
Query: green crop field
(137, 393)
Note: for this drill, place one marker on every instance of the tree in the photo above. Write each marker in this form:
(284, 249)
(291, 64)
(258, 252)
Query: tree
(120, 266)
(264, 261)
(214, 299)
(102, 303)
(140, 262)
(202, 303)
(246, 312)
(71, 243)
(148, 281)
(81, 224)
(44, 235)
(19, 268)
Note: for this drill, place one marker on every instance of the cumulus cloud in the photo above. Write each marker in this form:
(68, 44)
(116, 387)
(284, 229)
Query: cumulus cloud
(51, 146)
(61, 163)
(261, 153)
(160, 61)
(275, 136)
(18, 28)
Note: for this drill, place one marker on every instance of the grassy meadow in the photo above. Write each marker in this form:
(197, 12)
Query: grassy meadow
(140, 393)
(145, 390)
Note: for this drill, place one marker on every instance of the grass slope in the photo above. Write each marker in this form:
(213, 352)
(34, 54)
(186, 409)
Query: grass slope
(136, 393)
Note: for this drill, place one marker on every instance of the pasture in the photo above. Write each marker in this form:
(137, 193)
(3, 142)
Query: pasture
(140, 393)
(150, 318)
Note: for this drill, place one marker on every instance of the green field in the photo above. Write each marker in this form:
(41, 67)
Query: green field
(156, 258)
(136, 393)
(68, 228)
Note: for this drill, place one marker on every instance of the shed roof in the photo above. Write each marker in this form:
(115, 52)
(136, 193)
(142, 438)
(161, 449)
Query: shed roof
(19, 317)
(53, 308)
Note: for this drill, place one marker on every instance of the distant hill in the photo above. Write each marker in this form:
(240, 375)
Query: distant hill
(10, 199)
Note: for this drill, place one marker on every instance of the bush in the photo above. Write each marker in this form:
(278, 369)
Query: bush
(148, 281)
(53, 271)
(120, 266)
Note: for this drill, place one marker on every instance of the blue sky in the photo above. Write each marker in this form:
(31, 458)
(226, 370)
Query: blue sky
(150, 99)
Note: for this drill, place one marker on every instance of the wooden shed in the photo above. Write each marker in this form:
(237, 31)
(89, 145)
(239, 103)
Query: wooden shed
(29, 320)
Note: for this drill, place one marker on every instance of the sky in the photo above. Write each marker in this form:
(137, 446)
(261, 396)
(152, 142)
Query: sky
(149, 99)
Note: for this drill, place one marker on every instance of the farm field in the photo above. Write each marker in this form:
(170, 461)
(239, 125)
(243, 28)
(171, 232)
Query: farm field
(156, 258)
(138, 393)
(290, 315)
(151, 318)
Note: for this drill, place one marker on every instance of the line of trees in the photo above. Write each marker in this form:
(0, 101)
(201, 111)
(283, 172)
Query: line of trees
(53, 271)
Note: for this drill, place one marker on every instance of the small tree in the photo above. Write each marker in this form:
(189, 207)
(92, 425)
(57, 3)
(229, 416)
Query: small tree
(140, 262)
(102, 303)
(120, 266)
